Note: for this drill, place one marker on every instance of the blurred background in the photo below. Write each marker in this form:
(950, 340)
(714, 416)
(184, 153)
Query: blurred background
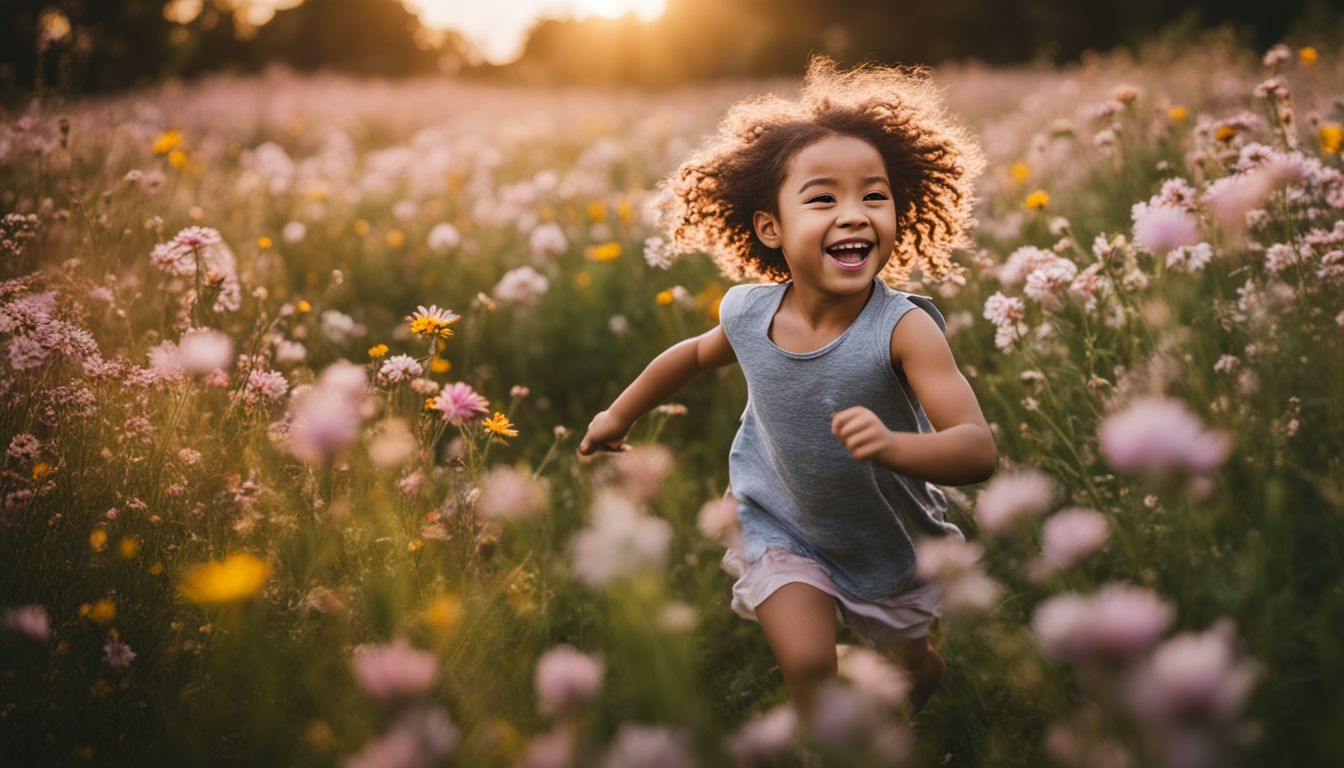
(80, 46)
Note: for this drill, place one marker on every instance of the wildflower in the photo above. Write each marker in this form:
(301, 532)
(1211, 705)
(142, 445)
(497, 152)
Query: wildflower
(424, 736)
(394, 238)
(102, 612)
(717, 521)
(203, 350)
(1332, 138)
(179, 159)
(547, 240)
(552, 749)
(443, 237)
(583, 279)
(1038, 200)
(440, 365)
(443, 612)
(1011, 498)
(415, 545)
(432, 321)
(524, 285)
(873, 676)
(1156, 435)
(1277, 55)
(657, 252)
(31, 621)
(1111, 625)
(237, 578)
(664, 298)
(167, 142)
(1020, 172)
(765, 736)
(399, 368)
(499, 424)
(203, 249)
(566, 678)
(117, 653)
(1162, 228)
(269, 384)
(1049, 282)
(377, 351)
(392, 444)
(642, 470)
(326, 416)
(618, 541)
(458, 402)
(604, 252)
(1191, 258)
(98, 540)
(1307, 55)
(1177, 113)
(264, 243)
(128, 547)
(650, 745)
(294, 232)
(1072, 535)
(508, 494)
(23, 446)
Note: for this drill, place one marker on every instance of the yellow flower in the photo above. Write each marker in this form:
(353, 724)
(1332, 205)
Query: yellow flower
(1332, 138)
(499, 424)
(625, 212)
(303, 306)
(1020, 172)
(429, 403)
(1307, 55)
(178, 159)
(377, 351)
(98, 539)
(167, 142)
(415, 545)
(1225, 133)
(41, 469)
(1038, 200)
(664, 298)
(239, 577)
(440, 365)
(432, 321)
(156, 569)
(264, 243)
(443, 613)
(361, 227)
(604, 252)
(395, 238)
(128, 547)
(103, 612)
(1177, 113)
(597, 210)
(583, 279)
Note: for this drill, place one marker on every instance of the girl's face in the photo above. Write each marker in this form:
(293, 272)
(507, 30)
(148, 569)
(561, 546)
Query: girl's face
(837, 219)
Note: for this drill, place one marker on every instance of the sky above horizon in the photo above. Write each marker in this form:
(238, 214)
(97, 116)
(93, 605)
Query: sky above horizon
(500, 28)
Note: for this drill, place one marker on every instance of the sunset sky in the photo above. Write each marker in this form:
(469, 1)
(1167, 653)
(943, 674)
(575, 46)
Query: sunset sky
(500, 27)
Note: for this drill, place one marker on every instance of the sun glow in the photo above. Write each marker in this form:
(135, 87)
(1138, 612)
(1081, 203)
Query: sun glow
(500, 29)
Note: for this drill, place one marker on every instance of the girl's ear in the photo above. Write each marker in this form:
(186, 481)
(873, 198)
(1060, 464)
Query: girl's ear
(767, 228)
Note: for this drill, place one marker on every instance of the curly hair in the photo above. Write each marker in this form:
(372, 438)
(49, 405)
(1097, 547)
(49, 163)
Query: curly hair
(930, 161)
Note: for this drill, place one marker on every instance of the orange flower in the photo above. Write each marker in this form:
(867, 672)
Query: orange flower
(1038, 200)
(499, 424)
(239, 577)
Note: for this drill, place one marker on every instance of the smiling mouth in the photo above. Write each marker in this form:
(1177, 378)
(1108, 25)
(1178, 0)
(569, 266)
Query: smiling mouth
(851, 255)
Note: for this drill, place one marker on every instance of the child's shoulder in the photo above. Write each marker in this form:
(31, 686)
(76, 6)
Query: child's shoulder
(744, 297)
(901, 302)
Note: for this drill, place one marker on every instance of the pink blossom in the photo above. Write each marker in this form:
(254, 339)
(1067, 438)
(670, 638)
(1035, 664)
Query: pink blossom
(650, 746)
(443, 237)
(1011, 498)
(765, 736)
(718, 521)
(524, 285)
(1154, 435)
(1111, 625)
(28, 620)
(204, 350)
(946, 557)
(567, 678)
(1161, 228)
(1023, 262)
(843, 719)
(396, 671)
(873, 675)
(1049, 282)
(269, 384)
(1072, 535)
(399, 368)
(642, 469)
(618, 541)
(553, 749)
(325, 417)
(547, 240)
(421, 738)
(24, 447)
(458, 403)
(117, 653)
(1003, 310)
(510, 494)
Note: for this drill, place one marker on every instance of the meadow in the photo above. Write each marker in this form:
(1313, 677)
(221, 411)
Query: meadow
(295, 370)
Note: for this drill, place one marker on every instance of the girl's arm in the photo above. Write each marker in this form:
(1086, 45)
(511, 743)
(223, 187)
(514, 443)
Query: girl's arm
(961, 451)
(665, 376)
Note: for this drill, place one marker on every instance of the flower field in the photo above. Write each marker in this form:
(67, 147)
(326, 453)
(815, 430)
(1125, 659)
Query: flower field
(295, 369)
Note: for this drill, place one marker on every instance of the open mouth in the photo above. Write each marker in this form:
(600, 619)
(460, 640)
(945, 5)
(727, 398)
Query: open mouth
(850, 254)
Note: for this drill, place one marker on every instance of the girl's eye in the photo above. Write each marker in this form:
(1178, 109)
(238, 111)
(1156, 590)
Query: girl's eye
(823, 199)
(875, 196)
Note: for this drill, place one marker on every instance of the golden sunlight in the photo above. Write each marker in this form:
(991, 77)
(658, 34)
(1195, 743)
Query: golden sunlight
(500, 29)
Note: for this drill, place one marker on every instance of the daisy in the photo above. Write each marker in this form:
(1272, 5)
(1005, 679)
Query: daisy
(432, 321)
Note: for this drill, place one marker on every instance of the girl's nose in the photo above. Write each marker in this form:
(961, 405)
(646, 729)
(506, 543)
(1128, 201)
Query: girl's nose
(850, 215)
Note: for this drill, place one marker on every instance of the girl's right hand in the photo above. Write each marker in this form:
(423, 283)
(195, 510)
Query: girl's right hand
(606, 432)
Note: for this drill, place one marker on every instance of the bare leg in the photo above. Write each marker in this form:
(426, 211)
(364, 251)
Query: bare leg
(924, 665)
(799, 624)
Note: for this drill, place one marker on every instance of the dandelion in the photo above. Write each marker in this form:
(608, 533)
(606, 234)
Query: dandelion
(377, 351)
(237, 578)
(1332, 138)
(1020, 172)
(432, 321)
(98, 540)
(1156, 435)
(664, 298)
(102, 612)
(566, 678)
(128, 547)
(443, 612)
(1177, 113)
(499, 424)
(458, 403)
(167, 142)
(264, 243)
(395, 671)
(1037, 200)
(603, 252)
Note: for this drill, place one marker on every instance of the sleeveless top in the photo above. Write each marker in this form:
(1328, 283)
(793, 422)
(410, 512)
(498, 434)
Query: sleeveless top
(797, 486)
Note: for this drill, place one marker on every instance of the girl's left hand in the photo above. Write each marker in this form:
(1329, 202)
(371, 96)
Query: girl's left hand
(862, 433)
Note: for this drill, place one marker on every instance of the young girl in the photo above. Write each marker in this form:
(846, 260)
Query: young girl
(855, 406)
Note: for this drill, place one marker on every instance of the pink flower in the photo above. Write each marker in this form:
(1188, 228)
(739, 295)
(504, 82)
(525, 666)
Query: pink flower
(1072, 535)
(1049, 283)
(873, 676)
(765, 736)
(618, 541)
(1194, 677)
(1023, 262)
(1157, 435)
(650, 746)
(269, 384)
(641, 470)
(508, 494)
(29, 620)
(553, 749)
(1112, 625)
(421, 738)
(567, 678)
(946, 557)
(117, 653)
(718, 522)
(1012, 497)
(1160, 228)
(204, 350)
(399, 368)
(396, 671)
(524, 285)
(458, 403)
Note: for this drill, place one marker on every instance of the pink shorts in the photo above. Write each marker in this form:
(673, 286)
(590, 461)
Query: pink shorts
(880, 623)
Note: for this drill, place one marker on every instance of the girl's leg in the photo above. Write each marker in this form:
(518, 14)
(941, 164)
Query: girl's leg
(924, 665)
(799, 624)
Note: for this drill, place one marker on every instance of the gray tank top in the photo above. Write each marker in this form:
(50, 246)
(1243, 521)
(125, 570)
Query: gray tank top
(797, 486)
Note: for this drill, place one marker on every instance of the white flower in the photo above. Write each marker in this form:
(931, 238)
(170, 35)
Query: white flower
(524, 285)
(443, 237)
